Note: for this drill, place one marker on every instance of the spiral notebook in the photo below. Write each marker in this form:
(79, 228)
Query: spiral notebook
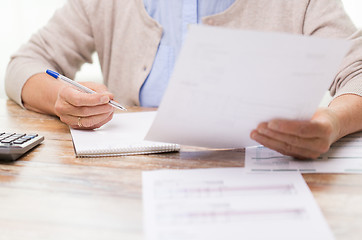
(123, 135)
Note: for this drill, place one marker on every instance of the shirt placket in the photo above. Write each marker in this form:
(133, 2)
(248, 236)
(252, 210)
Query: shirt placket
(189, 15)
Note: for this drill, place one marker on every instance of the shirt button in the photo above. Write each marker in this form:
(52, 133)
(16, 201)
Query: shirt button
(144, 68)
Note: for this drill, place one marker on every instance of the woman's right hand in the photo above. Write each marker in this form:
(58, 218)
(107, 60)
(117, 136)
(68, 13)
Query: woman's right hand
(83, 110)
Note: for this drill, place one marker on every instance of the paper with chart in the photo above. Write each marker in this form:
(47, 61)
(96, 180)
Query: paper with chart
(344, 156)
(229, 204)
(227, 81)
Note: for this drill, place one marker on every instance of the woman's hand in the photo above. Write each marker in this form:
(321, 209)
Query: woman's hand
(83, 110)
(300, 139)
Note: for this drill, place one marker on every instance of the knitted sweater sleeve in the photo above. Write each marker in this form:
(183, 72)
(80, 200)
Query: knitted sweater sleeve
(64, 44)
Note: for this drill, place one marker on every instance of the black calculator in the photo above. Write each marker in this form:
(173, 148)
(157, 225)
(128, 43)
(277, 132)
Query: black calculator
(14, 145)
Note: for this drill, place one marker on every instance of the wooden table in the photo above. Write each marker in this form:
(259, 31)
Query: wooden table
(51, 194)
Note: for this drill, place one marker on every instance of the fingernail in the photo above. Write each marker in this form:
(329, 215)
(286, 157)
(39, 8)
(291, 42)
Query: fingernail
(263, 131)
(273, 125)
(104, 99)
(253, 135)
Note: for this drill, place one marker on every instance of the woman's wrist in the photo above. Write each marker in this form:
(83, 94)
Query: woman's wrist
(347, 112)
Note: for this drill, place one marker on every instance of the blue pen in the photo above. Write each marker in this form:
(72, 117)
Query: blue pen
(81, 87)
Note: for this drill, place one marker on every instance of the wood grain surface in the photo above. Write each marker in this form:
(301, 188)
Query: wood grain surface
(51, 194)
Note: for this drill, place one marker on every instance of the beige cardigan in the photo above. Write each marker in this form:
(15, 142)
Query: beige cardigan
(126, 39)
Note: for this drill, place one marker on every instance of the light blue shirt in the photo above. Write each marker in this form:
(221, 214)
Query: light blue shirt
(174, 16)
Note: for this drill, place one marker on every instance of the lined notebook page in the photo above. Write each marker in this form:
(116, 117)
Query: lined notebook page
(123, 135)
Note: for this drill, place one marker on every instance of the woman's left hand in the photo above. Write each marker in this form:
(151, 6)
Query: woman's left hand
(300, 139)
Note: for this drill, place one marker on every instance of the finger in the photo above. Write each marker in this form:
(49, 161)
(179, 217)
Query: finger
(91, 123)
(320, 145)
(284, 148)
(87, 123)
(77, 98)
(68, 109)
(109, 118)
(307, 129)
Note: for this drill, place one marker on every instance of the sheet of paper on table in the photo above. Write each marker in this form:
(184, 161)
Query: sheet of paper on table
(344, 156)
(229, 204)
(227, 81)
(123, 135)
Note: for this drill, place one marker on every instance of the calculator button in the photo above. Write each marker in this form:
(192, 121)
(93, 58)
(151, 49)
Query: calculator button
(28, 137)
(9, 134)
(20, 141)
(32, 135)
(25, 138)
(12, 138)
(18, 135)
(6, 135)
(7, 140)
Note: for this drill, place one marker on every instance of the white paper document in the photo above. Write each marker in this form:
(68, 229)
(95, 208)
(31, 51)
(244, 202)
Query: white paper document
(229, 204)
(344, 156)
(227, 81)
